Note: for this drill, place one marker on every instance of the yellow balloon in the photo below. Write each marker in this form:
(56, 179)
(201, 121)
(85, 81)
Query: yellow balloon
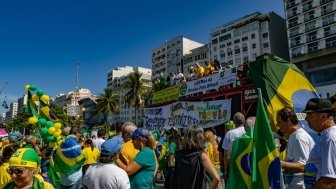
(35, 98)
(45, 98)
(32, 120)
(57, 125)
(51, 130)
(57, 134)
(27, 87)
(59, 131)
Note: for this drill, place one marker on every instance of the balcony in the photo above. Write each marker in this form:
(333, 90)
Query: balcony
(292, 24)
(331, 44)
(290, 4)
(329, 32)
(312, 49)
(307, 7)
(294, 33)
(295, 43)
(326, 11)
(327, 22)
(307, 18)
(296, 54)
(311, 38)
(324, 1)
(291, 14)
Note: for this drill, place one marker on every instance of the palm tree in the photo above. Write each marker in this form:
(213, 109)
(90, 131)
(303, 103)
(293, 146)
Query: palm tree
(108, 102)
(136, 91)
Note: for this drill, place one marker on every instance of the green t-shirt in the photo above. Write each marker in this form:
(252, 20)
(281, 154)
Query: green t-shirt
(172, 147)
(143, 179)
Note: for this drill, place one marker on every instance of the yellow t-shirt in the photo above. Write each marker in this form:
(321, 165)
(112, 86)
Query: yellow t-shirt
(4, 176)
(200, 72)
(214, 157)
(128, 152)
(90, 155)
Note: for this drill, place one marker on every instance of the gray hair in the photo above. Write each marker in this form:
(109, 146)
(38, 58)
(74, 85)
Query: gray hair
(249, 123)
(193, 138)
(128, 127)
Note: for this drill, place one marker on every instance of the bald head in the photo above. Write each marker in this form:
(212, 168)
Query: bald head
(239, 119)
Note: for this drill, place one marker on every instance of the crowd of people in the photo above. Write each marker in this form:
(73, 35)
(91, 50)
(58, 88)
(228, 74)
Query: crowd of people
(192, 158)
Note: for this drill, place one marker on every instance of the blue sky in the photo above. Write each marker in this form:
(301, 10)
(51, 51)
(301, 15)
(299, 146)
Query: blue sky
(41, 40)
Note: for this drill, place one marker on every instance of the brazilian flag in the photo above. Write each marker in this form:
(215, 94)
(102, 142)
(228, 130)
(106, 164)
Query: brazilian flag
(240, 163)
(31, 106)
(282, 84)
(266, 166)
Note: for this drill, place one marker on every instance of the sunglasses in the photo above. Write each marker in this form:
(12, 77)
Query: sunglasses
(17, 172)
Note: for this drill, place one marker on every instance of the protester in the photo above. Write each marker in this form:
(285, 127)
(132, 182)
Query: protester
(105, 174)
(128, 151)
(191, 162)
(142, 169)
(320, 119)
(23, 169)
(239, 121)
(8, 151)
(91, 155)
(100, 140)
(300, 143)
(191, 74)
(200, 71)
(175, 143)
(209, 69)
(118, 135)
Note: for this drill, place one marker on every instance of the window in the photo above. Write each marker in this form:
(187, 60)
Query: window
(244, 48)
(293, 22)
(245, 38)
(221, 46)
(229, 52)
(296, 41)
(311, 36)
(324, 75)
(290, 3)
(214, 41)
(266, 45)
(328, 19)
(310, 26)
(313, 47)
(246, 59)
(254, 46)
(310, 15)
(330, 42)
(252, 35)
(307, 6)
(292, 12)
(326, 9)
(296, 52)
(215, 48)
(236, 41)
(229, 44)
(329, 31)
(222, 54)
(294, 31)
(237, 50)
(265, 35)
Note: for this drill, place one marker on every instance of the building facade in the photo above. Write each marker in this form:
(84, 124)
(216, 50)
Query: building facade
(246, 38)
(311, 29)
(115, 80)
(13, 109)
(168, 58)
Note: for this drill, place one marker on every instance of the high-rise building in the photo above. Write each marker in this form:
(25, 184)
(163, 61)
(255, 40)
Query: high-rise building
(116, 78)
(22, 101)
(246, 38)
(13, 109)
(311, 29)
(168, 58)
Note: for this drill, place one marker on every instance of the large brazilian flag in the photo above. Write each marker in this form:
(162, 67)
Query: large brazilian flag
(266, 166)
(282, 84)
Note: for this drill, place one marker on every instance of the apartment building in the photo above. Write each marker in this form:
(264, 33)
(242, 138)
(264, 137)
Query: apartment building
(246, 38)
(115, 80)
(13, 109)
(311, 29)
(169, 56)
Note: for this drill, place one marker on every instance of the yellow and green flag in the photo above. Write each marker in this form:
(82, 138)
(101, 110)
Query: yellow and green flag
(266, 166)
(282, 84)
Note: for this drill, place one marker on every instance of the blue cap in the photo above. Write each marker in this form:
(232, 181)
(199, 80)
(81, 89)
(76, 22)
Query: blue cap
(140, 132)
(110, 147)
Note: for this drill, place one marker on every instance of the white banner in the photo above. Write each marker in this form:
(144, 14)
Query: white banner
(211, 82)
(185, 114)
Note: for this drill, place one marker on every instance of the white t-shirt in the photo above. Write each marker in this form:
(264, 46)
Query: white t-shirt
(104, 176)
(323, 154)
(98, 142)
(299, 146)
(230, 136)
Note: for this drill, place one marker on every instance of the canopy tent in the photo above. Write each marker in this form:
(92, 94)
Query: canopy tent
(3, 133)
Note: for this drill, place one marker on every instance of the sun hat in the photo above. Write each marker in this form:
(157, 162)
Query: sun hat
(318, 105)
(110, 147)
(25, 157)
(140, 132)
